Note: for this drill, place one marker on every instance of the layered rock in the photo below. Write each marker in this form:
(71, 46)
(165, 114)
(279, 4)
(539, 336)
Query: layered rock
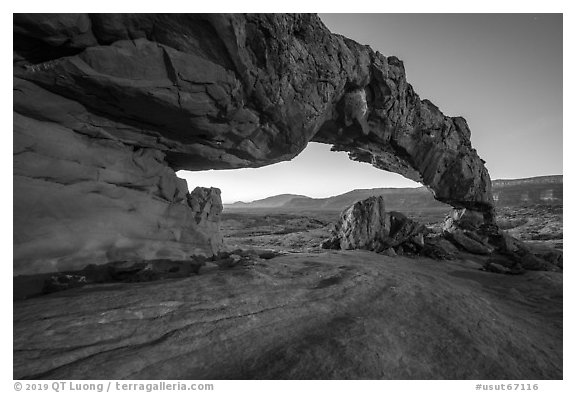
(107, 107)
(80, 198)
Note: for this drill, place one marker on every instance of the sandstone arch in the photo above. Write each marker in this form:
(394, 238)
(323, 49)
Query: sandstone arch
(107, 107)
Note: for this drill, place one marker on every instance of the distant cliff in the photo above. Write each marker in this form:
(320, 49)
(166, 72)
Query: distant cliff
(507, 192)
(533, 190)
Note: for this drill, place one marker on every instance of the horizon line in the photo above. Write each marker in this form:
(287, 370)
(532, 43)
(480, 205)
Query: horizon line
(378, 188)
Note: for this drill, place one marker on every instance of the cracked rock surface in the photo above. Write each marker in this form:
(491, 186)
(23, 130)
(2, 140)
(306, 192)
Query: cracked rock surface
(340, 315)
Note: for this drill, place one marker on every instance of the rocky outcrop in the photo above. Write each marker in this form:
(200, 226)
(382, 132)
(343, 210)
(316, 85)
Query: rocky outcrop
(81, 197)
(467, 230)
(366, 225)
(107, 107)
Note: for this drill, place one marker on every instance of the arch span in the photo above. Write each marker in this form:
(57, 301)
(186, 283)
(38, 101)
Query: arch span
(107, 107)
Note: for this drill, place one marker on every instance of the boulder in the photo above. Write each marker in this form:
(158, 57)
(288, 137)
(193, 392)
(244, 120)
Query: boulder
(443, 245)
(527, 257)
(511, 245)
(437, 247)
(332, 243)
(466, 219)
(555, 257)
(511, 265)
(530, 261)
(496, 268)
(389, 252)
(367, 225)
(468, 243)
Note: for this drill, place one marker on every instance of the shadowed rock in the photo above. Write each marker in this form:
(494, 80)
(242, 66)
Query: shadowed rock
(29, 286)
(468, 243)
(108, 106)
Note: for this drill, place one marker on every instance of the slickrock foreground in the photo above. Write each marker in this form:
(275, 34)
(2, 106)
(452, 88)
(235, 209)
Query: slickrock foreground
(341, 314)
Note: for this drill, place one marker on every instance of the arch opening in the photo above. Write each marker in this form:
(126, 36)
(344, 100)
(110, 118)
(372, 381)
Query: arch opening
(100, 132)
(317, 172)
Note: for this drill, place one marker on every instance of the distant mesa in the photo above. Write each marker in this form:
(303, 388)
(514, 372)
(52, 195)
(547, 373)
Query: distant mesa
(273, 201)
(529, 191)
(507, 192)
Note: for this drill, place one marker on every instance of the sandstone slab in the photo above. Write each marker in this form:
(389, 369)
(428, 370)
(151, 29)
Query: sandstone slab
(336, 315)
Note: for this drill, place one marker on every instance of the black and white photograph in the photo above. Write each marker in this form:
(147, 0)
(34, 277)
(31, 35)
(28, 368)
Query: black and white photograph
(287, 196)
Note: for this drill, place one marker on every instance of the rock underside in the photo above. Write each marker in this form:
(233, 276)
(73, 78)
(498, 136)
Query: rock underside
(108, 106)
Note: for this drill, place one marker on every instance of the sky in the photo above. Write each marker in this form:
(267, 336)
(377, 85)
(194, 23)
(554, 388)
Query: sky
(502, 72)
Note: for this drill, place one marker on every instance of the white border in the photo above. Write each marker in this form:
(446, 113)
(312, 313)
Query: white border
(486, 6)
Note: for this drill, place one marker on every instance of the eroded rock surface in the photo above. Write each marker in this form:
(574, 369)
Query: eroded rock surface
(337, 315)
(107, 106)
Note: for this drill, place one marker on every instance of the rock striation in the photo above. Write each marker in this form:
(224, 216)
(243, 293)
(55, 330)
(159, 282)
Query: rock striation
(336, 315)
(108, 106)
